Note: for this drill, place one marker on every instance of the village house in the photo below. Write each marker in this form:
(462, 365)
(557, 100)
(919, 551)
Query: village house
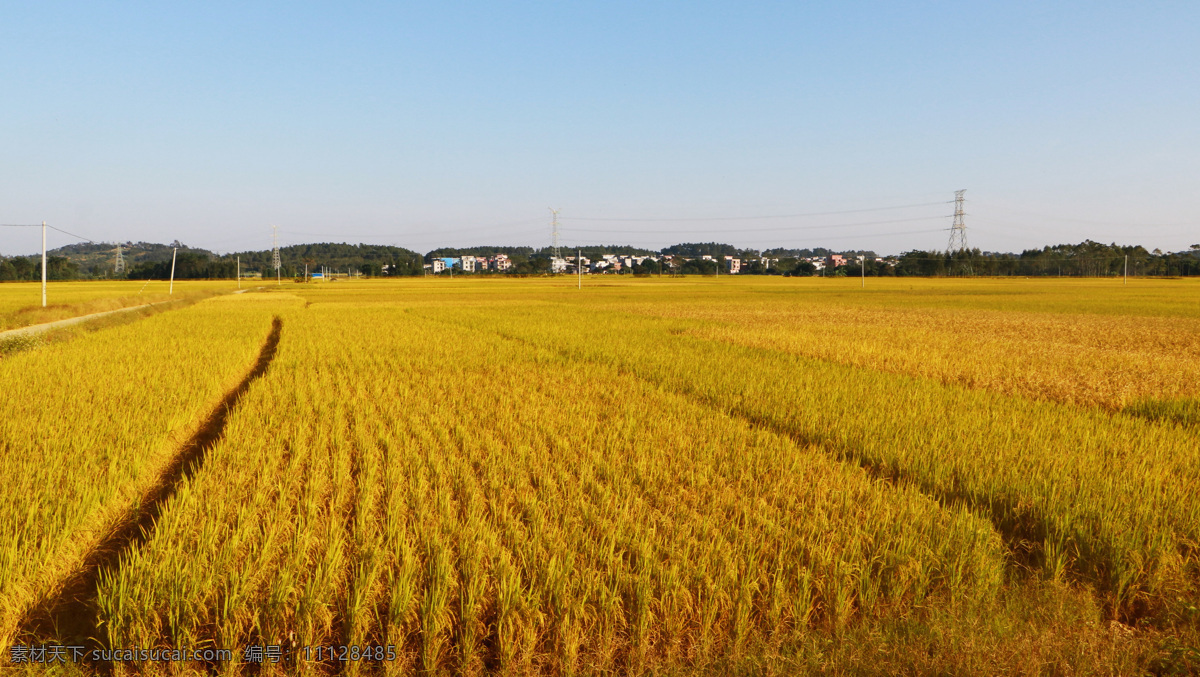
(499, 262)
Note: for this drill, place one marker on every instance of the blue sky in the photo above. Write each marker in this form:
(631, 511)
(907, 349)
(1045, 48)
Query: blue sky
(454, 123)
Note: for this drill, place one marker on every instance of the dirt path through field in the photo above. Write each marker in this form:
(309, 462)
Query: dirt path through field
(57, 324)
(39, 328)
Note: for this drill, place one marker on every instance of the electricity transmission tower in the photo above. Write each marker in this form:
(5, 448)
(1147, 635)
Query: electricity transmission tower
(958, 231)
(554, 229)
(275, 250)
(119, 266)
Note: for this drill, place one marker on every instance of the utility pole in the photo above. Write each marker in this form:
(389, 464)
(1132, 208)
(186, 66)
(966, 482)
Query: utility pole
(1127, 269)
(275, 252)
(239, 272)
(579, 266)
(862, 266)
(174, 250)
(119, 266)
(958, 231)
(43, 264)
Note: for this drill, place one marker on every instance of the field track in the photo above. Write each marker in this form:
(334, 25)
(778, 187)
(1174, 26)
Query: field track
(58, 324)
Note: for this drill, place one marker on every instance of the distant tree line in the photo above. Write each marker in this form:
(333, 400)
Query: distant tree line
(456, 252)
(1086, 259)
(189, 265)
(29, 268)
(698, 249)
(153, 261)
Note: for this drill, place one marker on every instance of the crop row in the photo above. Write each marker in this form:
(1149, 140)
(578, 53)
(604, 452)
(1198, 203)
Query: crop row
(485, 505)
(87, 427)
(1108, 498)
(1106, 359)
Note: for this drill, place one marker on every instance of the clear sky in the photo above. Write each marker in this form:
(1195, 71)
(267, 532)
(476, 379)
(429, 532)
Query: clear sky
(426, 124)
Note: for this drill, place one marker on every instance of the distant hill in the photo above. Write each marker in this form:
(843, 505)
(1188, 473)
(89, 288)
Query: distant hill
(98, 259)
(367, 258)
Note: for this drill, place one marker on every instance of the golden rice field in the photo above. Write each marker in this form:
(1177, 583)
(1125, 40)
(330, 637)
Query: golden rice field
(645, 476)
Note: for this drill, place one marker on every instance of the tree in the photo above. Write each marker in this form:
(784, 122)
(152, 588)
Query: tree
(698, 249)
(754, 267)
(25, 268)
(803, 269)
(648, 266)
(531, 266)
(699, 267)
(58, 268)
(921, 263)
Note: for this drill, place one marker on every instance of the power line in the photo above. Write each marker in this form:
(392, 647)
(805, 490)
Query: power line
(766, 230)
(1051, 217)
(1033, 230)
(450, 231)
(833, 237)
(908, 232)
(38, 225)
(759, 217)
(71, 234)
